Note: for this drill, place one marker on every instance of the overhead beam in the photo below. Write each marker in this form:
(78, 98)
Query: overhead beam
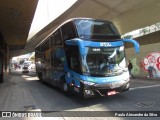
(138, 18)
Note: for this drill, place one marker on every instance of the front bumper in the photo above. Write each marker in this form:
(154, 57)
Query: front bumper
(105, 89)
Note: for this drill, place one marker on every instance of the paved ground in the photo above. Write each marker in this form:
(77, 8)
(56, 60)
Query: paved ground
(23, 92)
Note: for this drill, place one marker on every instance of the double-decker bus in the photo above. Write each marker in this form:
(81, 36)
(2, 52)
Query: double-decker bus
(84, 56)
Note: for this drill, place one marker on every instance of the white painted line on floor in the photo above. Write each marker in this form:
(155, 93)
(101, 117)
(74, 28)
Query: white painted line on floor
(144, 87)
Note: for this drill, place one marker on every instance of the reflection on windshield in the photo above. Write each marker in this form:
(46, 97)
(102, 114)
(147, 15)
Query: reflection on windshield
(104, 61)
(96, 29)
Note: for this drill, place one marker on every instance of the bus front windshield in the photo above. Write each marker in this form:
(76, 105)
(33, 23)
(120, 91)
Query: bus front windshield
(96, 29)
(104, 61)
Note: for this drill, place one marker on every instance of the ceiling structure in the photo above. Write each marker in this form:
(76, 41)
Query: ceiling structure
(15, 21)
(127, 15)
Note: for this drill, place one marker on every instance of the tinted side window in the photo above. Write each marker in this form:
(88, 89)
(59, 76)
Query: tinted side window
(57, 38)
(68, 31)
(38, 53)
(51, 41)
(59, 58)
(45, 45)
(73, 58)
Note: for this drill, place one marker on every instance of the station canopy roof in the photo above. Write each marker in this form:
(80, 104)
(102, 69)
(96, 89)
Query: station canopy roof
(127, 15)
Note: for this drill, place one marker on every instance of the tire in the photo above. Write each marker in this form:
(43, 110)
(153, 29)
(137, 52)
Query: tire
(82, 94)
(64, 87)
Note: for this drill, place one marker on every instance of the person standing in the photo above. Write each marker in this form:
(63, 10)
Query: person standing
(151, 71)
(130, 66)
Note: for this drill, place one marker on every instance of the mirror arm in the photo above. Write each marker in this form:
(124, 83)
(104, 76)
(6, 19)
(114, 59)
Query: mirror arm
(135, 43)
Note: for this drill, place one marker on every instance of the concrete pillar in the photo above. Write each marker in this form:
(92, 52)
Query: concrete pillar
(4, 58)
(1, 67)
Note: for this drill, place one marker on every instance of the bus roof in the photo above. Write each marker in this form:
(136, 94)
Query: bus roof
(69, 20)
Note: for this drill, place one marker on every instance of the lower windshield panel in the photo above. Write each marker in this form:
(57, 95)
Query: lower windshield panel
(104, 61)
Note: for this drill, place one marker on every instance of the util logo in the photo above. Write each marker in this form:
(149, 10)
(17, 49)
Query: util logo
(105, 44)
(152, 59)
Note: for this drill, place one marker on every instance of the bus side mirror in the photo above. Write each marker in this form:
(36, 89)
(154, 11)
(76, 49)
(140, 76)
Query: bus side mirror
(135, 43)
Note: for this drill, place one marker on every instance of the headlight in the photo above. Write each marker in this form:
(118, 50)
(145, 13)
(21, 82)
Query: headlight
(88, 83)
(85, 82)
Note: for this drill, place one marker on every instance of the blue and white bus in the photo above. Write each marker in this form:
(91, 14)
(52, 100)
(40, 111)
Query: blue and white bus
(84, 56)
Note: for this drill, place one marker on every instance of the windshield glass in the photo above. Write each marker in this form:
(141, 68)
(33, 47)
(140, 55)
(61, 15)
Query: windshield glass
(96, 29)
(104, 61)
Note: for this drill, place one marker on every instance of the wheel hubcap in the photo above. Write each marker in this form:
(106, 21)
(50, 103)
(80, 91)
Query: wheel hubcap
(65, 88)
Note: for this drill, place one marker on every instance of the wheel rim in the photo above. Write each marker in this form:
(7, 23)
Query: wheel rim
(65, 87)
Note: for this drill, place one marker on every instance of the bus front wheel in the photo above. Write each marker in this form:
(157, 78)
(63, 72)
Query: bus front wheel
(64, 87)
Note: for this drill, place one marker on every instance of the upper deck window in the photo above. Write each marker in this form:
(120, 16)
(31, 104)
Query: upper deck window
(68, 31)
(96, 29)
(57, 38)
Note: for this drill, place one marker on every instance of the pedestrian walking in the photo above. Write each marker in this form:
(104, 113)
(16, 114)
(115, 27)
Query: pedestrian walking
(130, 66)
